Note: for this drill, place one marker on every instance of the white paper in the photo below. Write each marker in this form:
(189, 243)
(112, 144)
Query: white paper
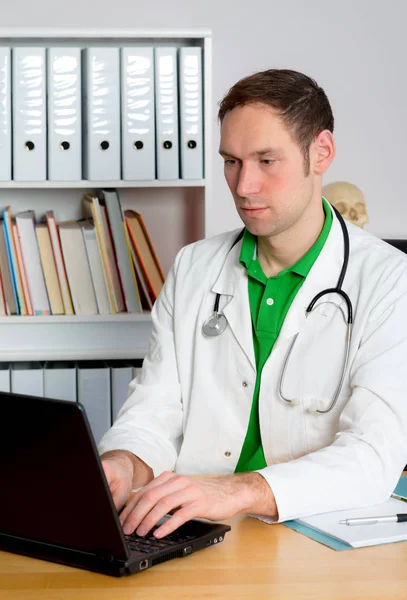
(362, 535)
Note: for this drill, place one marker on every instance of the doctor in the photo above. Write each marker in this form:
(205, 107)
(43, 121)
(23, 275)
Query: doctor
(250, 400)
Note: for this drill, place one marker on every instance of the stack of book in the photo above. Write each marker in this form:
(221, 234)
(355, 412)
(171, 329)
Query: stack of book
(104, 263)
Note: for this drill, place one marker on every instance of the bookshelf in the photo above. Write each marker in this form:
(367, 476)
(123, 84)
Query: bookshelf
(174, 213)
(83, 184)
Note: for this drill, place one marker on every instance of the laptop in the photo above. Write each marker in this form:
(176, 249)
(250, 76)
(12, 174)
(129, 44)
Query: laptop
(55, 503)
(399, 244)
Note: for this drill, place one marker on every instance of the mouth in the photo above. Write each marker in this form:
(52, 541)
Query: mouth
(253, 211)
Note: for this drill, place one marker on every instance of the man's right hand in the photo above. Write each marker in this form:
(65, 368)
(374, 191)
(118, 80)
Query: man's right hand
(124, 471)
(119, 473)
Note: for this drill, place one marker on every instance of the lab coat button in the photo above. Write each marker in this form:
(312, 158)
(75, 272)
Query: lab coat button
(244, 383)
(270, 301)
(228, 453)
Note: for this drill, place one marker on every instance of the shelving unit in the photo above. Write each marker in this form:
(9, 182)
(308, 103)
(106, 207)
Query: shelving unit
(98, 337)
(84, 184)
(174, 212)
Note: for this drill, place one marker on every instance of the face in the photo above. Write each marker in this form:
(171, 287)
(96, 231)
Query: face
(264, 168)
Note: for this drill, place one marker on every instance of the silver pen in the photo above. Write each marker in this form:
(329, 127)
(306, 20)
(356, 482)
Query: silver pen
(397, 497)
(374, 520)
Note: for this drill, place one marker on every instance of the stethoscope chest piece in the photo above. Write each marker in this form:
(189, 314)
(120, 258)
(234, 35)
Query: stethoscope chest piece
(214, 325)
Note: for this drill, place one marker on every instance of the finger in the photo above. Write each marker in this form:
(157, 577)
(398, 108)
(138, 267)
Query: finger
(163, 507)
(128, 507)
(135, 498)
(119, 499)
(119, 493)
(148, 499)
(181, 516)
(118, 488)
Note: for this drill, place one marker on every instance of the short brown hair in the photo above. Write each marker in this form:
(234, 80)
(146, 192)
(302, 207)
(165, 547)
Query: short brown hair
(303, 105)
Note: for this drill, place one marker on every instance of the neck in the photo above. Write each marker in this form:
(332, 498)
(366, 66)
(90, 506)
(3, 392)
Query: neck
(283, 250)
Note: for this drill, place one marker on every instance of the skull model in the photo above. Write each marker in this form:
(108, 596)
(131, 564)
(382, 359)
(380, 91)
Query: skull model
(348, 200)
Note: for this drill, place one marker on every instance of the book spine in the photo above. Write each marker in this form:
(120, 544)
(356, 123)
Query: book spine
(24, 280)
(13, 259)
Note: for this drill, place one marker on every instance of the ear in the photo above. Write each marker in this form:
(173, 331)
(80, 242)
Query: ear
(322, 152)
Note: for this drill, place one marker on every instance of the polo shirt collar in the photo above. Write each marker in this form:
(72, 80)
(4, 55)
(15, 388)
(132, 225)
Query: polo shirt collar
(248, 251)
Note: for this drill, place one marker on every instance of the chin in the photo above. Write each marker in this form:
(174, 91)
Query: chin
(260, 229)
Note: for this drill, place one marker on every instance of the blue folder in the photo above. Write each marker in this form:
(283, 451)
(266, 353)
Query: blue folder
(401, 490)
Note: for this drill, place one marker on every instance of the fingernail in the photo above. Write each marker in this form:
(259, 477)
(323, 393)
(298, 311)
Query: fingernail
(128, 528)
(142, 530)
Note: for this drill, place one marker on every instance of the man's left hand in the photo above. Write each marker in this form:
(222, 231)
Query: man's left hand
(187, 497)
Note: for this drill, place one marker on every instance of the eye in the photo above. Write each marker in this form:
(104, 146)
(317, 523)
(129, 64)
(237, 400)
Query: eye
(230, 161)
(267, 161)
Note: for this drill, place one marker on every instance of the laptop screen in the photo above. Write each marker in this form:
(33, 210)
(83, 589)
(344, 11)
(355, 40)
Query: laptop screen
(53, 487)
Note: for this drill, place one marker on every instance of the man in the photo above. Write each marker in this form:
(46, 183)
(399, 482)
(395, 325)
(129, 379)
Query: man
(244, 421)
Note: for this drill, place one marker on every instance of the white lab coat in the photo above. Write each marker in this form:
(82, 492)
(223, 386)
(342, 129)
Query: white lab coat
(189, 409)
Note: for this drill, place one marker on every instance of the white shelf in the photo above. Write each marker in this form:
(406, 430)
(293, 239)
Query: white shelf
(85, 183)
(74, 337)
(69, 319)
(12, 33)
(182, 218)
(73, 355)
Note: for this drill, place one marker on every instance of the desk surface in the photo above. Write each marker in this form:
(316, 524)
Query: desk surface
(256, 561)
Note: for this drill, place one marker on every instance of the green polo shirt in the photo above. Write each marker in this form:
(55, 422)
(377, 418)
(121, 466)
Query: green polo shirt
(270, 298)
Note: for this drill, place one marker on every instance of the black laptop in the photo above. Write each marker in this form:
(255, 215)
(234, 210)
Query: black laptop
(55, 503)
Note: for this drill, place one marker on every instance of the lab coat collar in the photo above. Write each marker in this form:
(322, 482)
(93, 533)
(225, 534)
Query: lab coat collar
(324, 274)
(232, 282)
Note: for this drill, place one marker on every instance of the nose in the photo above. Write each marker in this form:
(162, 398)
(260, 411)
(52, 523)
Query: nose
(249, 182)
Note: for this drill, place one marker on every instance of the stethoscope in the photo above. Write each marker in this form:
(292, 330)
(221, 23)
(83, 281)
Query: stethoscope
(216, 324)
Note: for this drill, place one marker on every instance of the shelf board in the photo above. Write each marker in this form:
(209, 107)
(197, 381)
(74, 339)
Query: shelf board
(78, 337)
(72, 319)
(47, 354)
(94, 32)
(85, 183)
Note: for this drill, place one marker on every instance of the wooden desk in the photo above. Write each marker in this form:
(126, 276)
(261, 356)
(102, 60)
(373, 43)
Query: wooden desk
(256, 561)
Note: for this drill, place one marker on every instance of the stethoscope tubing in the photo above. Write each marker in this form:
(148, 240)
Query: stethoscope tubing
(216, 323)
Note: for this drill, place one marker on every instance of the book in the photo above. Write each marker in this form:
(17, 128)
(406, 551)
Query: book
(77, 268)
(94, 393)
(27, 378)
(49, 268)
(30, 264)
(96, 266)
(12, 260)
(60, 380)
(5, 377)
(145, 252)
(146, 295)
(3, 303)
(121, 375)
(110, 198)
(5, 267)
(59, 262)
(93, 209)
(117, 282)
(23, 274)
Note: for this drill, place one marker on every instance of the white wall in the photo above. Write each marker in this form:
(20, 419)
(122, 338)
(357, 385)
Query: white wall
(355, 49)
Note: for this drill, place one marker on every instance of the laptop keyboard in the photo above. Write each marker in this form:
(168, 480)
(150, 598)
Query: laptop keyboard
(149, 544)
